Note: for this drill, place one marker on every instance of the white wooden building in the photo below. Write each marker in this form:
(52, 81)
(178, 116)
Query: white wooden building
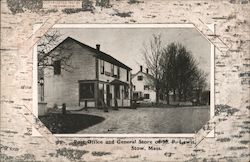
(143, 88)
(97, 77)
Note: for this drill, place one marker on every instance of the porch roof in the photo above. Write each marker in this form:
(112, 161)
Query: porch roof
(118, 82)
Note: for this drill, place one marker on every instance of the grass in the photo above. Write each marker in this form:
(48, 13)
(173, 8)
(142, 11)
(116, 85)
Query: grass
(69, 123)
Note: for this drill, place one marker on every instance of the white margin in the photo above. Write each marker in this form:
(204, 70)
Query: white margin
(123, 26)
(35, 87)
(35, 82)
(212, 69)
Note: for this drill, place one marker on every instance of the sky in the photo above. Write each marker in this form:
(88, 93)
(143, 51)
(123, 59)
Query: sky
(126, 44)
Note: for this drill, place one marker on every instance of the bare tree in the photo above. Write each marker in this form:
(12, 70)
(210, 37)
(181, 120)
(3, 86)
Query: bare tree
(152, 55)
(46, 57)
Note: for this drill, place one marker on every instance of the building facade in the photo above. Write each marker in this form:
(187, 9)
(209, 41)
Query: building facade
(143, 88)
(95, 79)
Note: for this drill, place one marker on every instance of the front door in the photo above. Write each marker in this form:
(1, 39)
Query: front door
(108, 95)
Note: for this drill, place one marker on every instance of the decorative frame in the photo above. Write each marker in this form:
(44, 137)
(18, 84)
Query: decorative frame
(231, 83)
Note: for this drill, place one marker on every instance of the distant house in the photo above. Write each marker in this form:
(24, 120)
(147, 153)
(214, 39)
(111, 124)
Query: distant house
(143, 87)
(96, 79)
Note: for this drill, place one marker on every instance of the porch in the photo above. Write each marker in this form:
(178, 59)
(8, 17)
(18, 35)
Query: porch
(101, 94)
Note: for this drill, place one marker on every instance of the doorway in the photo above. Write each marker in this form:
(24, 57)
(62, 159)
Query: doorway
(109, 96)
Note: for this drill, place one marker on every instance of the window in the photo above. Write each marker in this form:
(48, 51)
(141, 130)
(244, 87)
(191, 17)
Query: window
(117, 91)
(112, 70)
(87, 91)
(102, 66)
(126, 93)
(127, 75)
(135, 95)
(57, 67)
(140, 77)
(118, 72)
(108, 70)
(146, 87)
(115, 71)
(146, 96)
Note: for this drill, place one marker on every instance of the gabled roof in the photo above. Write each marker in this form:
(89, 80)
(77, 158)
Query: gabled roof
(99, 54)
(146, 74)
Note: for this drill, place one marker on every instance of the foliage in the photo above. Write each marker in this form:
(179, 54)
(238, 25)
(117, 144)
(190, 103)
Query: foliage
(182, 74)
(174, 69)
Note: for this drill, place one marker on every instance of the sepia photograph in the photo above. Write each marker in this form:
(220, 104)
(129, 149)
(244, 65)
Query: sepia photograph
(124, 80)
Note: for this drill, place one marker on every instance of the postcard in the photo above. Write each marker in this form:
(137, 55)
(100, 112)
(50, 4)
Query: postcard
(124, 80)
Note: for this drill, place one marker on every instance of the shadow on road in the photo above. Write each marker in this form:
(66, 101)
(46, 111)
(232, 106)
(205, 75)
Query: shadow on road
(69, 123)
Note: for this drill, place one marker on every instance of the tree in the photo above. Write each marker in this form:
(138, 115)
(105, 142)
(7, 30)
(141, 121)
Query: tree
(200, 83)
(166, 72)
(174, 70)
(170, 69)
(152, 56)
(46, 58)
(181, 74)
(186, 71)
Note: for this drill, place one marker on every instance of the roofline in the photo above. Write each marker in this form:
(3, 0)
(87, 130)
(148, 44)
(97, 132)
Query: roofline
(95, 50)
(141, 72)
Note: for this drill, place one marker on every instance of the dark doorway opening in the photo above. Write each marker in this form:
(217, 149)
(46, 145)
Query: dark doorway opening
(109, 95)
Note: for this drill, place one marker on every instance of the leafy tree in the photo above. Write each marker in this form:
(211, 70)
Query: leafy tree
(171, 67)
(181, 72)
(186, 71)
(174, 70)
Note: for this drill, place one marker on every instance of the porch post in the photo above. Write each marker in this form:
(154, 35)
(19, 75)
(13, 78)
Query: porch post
(96, 94)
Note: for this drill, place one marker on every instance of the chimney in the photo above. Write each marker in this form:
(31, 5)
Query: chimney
(147, 70)
(141, 68)
(98, 47)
